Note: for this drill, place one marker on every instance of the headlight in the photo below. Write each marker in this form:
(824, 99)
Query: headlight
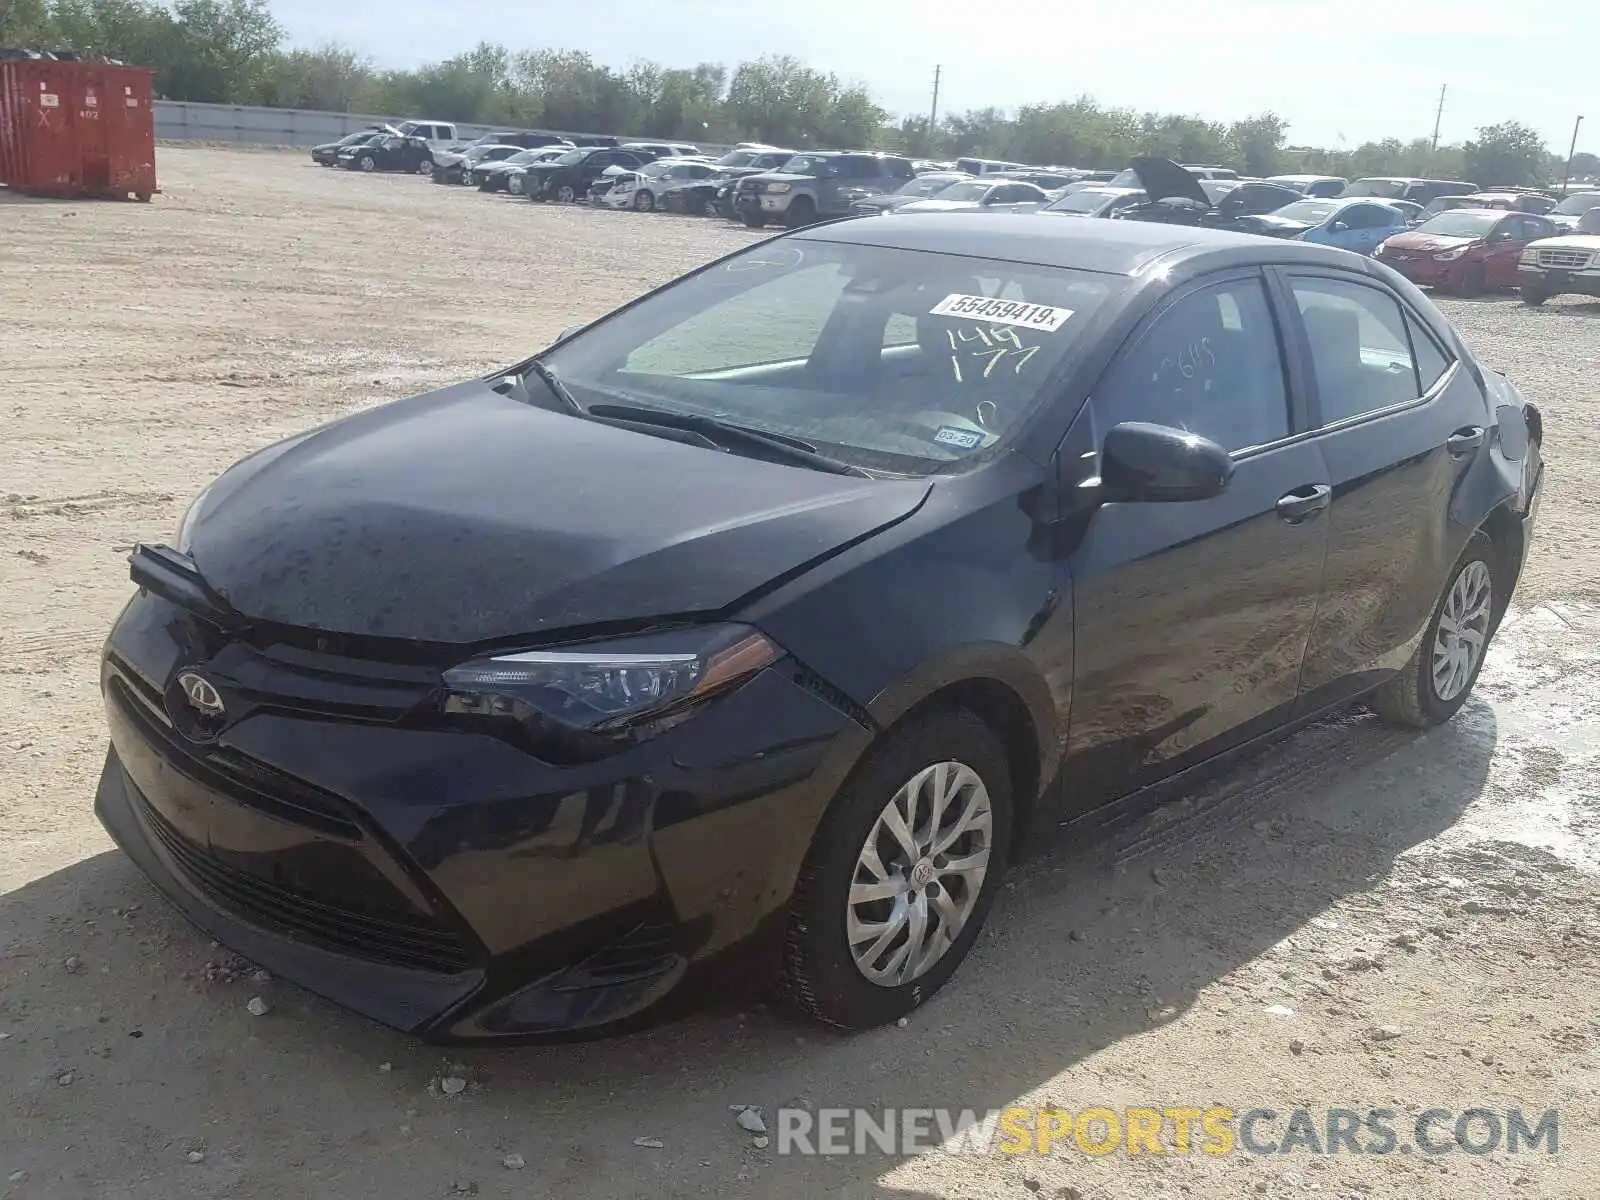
(190, 516)
(1382, 246)
(602, 692)
(777, 187)
(1530, 255)
(1450, 255)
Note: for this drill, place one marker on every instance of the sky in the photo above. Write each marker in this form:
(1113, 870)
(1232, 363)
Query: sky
(1341, 73)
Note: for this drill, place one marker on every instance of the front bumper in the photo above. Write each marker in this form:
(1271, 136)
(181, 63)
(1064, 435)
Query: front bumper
(441, 880)
(1559, 283)
(1427, 271)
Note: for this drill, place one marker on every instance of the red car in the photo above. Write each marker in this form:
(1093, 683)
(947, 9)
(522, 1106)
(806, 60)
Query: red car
(1465, 250)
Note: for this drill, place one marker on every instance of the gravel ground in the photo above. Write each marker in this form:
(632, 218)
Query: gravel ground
(1255, 946)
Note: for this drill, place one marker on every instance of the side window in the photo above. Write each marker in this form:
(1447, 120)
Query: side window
(1365, 216)
(1209, 364)
(1432, 362)
(858, 168)
(899, 168)
(1360, 349)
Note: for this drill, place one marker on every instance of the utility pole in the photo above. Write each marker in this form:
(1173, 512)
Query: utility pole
(933, 113)
(1438, 117)
(1572, 150)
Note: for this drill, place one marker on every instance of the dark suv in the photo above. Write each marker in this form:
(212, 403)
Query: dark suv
(816, 185)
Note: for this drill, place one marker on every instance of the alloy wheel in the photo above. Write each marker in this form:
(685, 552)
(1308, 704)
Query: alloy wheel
(919, 874)
(1463, 630)
(565, 194)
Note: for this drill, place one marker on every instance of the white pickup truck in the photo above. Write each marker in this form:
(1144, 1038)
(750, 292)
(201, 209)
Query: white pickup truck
(440, 135)
(1568, 264)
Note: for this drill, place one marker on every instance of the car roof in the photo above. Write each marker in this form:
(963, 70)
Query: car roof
(1109, 247)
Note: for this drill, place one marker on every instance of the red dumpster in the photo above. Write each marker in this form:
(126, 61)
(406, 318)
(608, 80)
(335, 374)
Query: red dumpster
(76, 128)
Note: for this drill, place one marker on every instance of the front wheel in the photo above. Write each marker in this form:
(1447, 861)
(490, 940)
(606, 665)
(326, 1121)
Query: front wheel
(514, 185)
(1473, 281)
(1437, 681)
(901, 873)
(1533, 297)
(566, 193)
(802, 211)
(643, 201)
(367, 163)
(753, 219)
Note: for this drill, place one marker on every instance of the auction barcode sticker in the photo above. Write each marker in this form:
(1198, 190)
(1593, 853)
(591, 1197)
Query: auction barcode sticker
(1002, 312)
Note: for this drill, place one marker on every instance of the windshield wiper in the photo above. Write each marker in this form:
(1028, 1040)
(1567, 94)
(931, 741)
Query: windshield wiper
(553, 382)
(728, 435)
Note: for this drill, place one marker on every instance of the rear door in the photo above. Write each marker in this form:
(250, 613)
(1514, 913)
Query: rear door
(1191, 619)
(1401, 421)
(1505, 253)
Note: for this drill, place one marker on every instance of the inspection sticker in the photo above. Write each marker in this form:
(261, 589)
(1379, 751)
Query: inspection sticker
(961, 439)
(1002, 312)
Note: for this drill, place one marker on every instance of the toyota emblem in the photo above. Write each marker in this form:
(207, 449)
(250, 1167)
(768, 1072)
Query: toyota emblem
(202, 694)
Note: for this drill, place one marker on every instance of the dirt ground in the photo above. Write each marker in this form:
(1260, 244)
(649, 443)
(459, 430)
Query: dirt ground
(1360, 918)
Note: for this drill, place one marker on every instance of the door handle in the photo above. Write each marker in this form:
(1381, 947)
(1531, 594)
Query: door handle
(1304, 502)
(1464, 441)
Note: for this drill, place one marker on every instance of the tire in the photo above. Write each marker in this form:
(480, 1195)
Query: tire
(1473, 280)
(514, 185)
(1413, 698)
(566, 194)
(1533, 297)
(821, 976)
(643, 201)
(753, 219)
(366, 163)
(802, 211)
(425, 167)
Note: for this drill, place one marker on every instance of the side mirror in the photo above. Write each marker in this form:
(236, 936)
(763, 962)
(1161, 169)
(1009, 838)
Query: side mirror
(1338, 227)
(1156, 463)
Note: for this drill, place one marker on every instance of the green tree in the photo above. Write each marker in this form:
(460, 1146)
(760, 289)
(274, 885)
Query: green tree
(1256, 143)
(24, 23)
(1508, 154)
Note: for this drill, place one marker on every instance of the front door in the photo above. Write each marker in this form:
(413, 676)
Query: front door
(1192, 617)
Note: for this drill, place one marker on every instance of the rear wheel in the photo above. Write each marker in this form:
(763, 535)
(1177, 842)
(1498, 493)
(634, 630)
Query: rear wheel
(643, 201)
(1437, 681)
(566, 193)
(1532, 296)
(901, 873)
(1473, 280)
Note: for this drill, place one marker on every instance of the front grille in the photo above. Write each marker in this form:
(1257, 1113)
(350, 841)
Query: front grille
(234, 775)
(418, 943)
(1564, 259)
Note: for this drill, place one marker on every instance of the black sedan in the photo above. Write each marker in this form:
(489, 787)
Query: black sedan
(518, 708)
(389, 152)
(327, 154)
(569, 177)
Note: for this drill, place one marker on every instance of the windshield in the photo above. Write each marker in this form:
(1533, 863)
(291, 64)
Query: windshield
(1577, 205)
(1461, 222)
(737, 158)
(811, 164)
(924, 185)
(572, 158)
(885, 359)
(970, 189)
(524, 156)
(1087, 200)
(1392, 189)
(1308, 212)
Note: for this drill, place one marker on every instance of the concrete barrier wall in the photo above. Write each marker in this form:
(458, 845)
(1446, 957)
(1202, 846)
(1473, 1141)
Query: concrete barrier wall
(179, 120)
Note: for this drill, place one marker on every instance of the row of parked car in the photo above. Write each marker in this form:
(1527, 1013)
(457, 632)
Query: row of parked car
(1447, 234)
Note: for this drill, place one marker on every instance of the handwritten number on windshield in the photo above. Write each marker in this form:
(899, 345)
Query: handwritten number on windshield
(998, 343)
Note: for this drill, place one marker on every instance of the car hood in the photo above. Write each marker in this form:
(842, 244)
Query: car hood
(776, 177)
(1281, 226)
(448, 158)
(465, 516)
(936, 205)
(1161, 178)
(1569, 241)
(1430, 242)
(884, 202)
(496, 166)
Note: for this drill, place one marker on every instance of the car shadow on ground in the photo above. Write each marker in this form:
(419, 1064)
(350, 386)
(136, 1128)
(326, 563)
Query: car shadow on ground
(1099, 938)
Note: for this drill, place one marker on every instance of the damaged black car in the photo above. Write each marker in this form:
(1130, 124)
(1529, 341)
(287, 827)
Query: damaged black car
(750, 631)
